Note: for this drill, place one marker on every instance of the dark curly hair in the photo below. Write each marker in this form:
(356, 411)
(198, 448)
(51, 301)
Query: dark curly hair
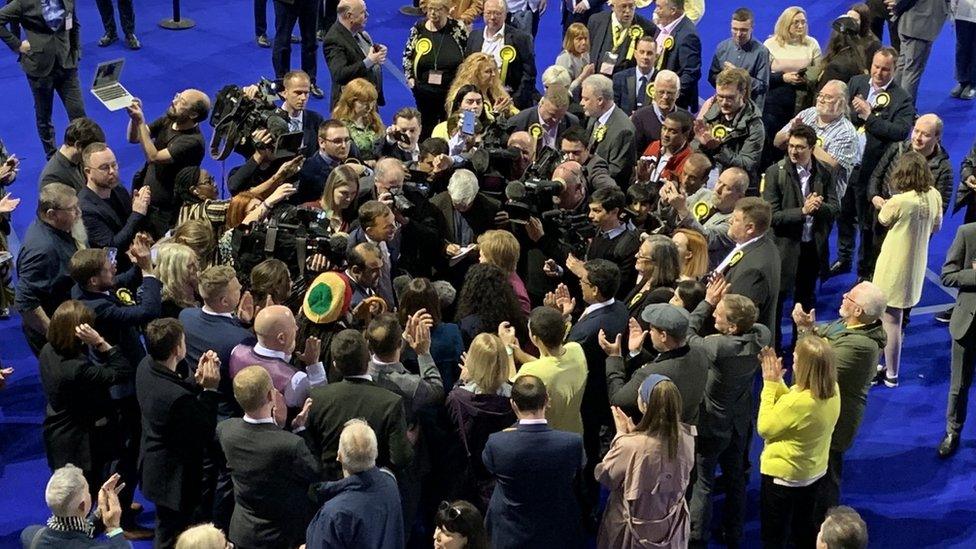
(487, 293)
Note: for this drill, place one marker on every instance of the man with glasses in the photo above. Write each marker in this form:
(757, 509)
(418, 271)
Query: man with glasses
(112, 217)
(649, 119)
(800, 188)
(729, 128)
(44, 281)
(836, 145)
(512, 48)
(170, 143)
(335, 147)
(857, 338)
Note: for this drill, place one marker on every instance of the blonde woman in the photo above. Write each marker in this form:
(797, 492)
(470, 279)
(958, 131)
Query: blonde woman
(480, 70)
(479, 406)
(177, 269)
(795, 59)
(575, 56)
(501, 249)
(341, 189)
(796, 424)
(357, 108)
(912, 215)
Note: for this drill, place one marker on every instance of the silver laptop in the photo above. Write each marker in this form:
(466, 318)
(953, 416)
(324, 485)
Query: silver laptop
(107, 88)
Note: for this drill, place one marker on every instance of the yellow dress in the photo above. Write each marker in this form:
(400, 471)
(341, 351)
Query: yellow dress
(911, 219)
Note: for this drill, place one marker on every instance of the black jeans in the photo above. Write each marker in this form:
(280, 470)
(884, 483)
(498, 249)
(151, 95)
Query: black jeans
(729, 454)
(828, 493)
(127, 16)
(260, 17)
(65, 83)
(327, 14)
(305, 13)
(787, 514)
(170, 523)
(965, 56)
(963, 359)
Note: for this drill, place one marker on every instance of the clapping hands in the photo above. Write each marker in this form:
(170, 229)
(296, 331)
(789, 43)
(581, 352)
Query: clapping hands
(208, 371)
(417, 331)
(560, 300)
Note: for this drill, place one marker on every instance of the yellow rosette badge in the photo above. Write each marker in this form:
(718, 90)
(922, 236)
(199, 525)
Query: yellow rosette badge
(668, 46)
(882, 100)
(635, 33)
(424, 45)
(820, 142)
(125, 296)
(536, 131)
(719, 132)
(507, 55)
(599, 134)
(700, 209)
(650, 90)
(735, 258)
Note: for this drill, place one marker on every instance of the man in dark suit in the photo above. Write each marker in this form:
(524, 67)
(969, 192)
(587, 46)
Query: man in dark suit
(649, 118)
(593, 170)
(334, 148)
(65, 166)
(958, 272)
(512, 49)
(804, 203)
(614, 35)
(49, 57)
(356, 396)
(752, 268)
(287, 12)
(111, 216)
(534, 466)
(610, 129)
(178, 421)
(680, 49)
(350, 52)
(269, 465)
(377, 225)
(633, 88)
(551, 115)
(466, 212)
(883, 112)
(402, 137)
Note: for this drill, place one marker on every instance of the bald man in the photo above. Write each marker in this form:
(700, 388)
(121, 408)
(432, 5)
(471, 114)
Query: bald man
(350, 51)
(170, 143)
(526, 146)
(276, 329)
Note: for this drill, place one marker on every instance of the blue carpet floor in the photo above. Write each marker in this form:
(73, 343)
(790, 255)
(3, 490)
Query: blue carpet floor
(892, 475)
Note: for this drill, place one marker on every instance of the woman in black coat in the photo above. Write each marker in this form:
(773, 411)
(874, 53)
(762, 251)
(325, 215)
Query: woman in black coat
(657, 274)
(77, 368)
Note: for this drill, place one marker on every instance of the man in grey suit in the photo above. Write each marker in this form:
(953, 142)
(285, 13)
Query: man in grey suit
(919, 24)
(551, 115)
(959, 271)
(49, 57)
(610, 129)
(271, 468)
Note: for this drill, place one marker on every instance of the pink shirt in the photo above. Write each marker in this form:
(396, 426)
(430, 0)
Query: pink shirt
(520, 292)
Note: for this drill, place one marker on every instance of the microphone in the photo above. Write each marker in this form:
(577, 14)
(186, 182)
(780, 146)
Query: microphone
(515, 191)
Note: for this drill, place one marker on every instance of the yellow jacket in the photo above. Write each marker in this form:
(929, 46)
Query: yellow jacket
(797, 429)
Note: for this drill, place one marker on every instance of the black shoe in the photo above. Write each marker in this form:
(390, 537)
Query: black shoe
(969, 93)
(263, 41)
(879, 376)
(316, 92)
(296, 39)
(132, 42)
(108, 39)
(320, 35)
(945, 316)
(949, 445)
(412, 11)
(839, 267)
(957, 91)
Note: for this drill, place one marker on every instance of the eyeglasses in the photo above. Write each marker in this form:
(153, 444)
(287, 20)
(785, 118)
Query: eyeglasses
(452, 512)
(848, 298)
(827, 98)
(75, 208)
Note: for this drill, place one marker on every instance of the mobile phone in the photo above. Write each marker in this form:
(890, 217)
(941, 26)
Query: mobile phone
(112, 254)
(376, 47)
(467, 122)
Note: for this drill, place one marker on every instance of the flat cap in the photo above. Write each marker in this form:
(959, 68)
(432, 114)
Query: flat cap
(668, 318)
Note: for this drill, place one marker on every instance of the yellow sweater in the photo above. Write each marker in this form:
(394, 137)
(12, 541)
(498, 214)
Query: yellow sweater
(796, 428)
(565, 379)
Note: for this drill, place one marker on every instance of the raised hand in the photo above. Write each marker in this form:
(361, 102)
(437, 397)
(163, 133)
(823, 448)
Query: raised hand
(8, 204)
(717, 287)
(302, 418)
(208, 370)
(245, 308)
(312, 352)
(803, 320)
(90, 337)
(772, 365)
(108, 502)
(612, 349)
(635, 335)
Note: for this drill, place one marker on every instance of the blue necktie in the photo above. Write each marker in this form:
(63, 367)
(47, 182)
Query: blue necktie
(53, 12)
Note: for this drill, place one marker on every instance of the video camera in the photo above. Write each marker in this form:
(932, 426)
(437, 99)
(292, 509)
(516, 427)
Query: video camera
(571, 229)
(236, 116)
(531, 198)
(292, 234)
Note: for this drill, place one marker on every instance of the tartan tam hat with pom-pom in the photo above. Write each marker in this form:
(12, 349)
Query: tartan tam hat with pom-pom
(328, 297)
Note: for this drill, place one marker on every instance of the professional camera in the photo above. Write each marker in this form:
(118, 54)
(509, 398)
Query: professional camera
(402, 203)
(235, 117)
(293, 235)
(530, 198)
(574, 230)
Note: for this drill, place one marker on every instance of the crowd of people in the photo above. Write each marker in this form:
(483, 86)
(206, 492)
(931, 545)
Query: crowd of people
(552, 294)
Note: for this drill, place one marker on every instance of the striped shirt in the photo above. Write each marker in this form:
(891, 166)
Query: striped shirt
(839, 140)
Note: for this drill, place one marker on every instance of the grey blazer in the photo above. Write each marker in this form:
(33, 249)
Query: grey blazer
(958, 272)
(617, 145)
